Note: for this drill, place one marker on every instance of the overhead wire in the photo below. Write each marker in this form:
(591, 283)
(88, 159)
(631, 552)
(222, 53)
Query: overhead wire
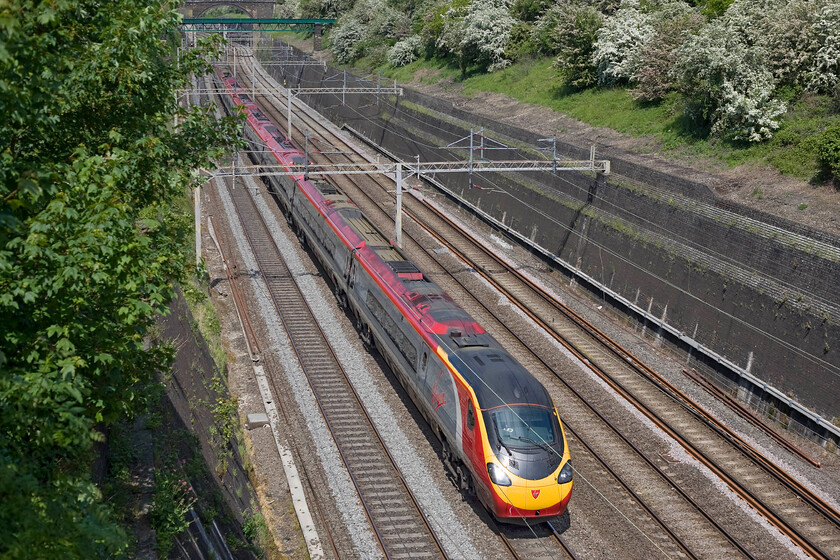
(676, 234)
(549, 447)
(814, 359)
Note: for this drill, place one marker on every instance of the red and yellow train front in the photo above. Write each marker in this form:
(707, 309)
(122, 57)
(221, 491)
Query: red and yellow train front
(528, 474)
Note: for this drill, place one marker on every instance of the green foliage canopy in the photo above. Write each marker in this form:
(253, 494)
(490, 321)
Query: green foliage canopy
(90, 164)
(828, 150)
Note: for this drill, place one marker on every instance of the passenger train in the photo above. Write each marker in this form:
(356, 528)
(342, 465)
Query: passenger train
(501, 436)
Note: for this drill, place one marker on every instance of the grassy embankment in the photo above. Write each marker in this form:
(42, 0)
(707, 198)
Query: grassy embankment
(792, 151)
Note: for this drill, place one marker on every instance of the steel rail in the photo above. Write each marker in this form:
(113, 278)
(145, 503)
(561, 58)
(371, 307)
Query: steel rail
(624, 484)
(259, 247)
(535, 549)
(817, 503)
(803, 542)
(584, 359)
(255, 352)
(562, 542)
(748, 415)
(689, 404)
(794, 534)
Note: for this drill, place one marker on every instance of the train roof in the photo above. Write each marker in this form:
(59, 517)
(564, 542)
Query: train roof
(435, 311)
(498, 379)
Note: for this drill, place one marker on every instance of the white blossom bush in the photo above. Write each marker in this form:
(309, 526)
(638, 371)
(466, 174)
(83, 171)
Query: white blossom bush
(437, 20)
(789, 42)
(345, 39)
(748, 110)
(448, 40)
(751, 20)
(730, 87)
(381, 19)
(323, 8)
(619, 40)
(485, 31)
(364, 30)
(405, 51)
(575, 34)
(672, 24)
(824, 74)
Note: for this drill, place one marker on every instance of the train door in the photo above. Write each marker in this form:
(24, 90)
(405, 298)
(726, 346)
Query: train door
(421, 371)
(469, 428)
(353, 291)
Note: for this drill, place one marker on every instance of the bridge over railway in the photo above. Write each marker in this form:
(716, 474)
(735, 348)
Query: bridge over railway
(256, 9)
(261, 18)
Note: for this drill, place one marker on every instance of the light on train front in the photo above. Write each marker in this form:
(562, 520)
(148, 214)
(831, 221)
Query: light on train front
(497, 475)
(565, 473)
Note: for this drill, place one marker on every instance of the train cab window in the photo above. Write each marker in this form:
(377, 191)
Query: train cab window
(470, 416)
(423, 361)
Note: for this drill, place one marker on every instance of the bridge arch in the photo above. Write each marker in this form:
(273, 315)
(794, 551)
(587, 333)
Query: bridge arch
(256, 9)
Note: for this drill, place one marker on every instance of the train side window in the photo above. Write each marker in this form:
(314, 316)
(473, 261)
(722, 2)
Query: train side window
(470, 416)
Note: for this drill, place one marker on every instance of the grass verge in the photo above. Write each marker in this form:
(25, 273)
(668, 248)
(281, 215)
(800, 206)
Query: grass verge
(792, 151)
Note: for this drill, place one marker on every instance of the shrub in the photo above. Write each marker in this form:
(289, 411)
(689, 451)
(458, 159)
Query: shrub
(172, 500)
(382, 20)
(828, 150)
(824, 73)
(323, 8)
(544, 32)
(521, 41)
(405, 51)
(345, 39)
(728, 86)
(442, 27)
(576, 34)
(671, 26)
(363, 31)
(529, 10)
(485, 31)
(788, 43)
(714, 8)
(616, 50)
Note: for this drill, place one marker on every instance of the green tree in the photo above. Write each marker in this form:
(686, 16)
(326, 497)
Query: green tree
(828, 150)
(576, 34)
(90, 164)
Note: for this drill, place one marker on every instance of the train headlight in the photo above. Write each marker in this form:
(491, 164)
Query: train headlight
(497, 475)
(565, 473)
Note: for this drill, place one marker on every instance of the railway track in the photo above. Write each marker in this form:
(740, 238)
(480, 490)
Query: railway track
(665, 540)
(256, 354)
(541, 542)
(810, 523)
(400, 525)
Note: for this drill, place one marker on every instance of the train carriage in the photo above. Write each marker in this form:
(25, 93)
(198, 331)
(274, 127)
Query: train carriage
(501, 435)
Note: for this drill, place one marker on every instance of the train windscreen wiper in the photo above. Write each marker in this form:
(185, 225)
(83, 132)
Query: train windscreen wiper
(499, 438)
(535, 442)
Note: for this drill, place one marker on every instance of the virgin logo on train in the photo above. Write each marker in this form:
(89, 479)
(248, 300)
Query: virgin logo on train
(535, 493)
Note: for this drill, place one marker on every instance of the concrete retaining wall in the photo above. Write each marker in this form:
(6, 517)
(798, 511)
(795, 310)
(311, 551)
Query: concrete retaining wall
(621, 231)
